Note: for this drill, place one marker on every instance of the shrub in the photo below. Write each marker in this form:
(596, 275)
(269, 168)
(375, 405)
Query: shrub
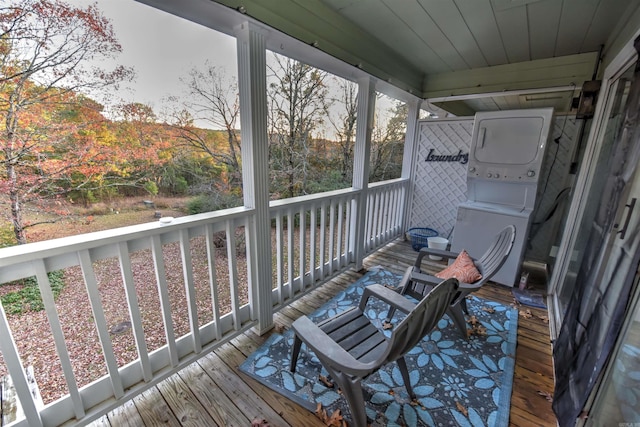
(180, 185)
(7, 237)
(151, 188)
(28, 298)
(212, 202)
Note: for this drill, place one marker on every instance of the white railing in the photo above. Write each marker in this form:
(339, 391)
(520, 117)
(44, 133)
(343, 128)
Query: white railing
(186, 334)
(317, 232)
(314, 238)
(385, 207)
(312, 241)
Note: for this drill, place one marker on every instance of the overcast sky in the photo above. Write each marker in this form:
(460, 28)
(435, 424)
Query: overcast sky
(161, 48)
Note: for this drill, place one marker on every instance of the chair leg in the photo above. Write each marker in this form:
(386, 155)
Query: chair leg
(456, 314)
(402, 364)
(390, 314)
(295, 351)
(463, 302)
(352, 392)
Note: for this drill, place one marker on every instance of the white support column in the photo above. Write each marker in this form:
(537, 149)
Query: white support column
(18, 374)
(252, 82)
(410, 143)
(361, 161)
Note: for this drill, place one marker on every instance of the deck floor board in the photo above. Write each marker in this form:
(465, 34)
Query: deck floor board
(214, 391)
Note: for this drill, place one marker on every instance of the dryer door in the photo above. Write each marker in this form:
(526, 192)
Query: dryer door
(508, 140)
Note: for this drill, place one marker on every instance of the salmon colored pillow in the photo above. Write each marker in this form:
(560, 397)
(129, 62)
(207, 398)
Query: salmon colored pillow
(462, 269)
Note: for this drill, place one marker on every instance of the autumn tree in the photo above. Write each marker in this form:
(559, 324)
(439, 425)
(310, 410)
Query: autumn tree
(141, 150)
(298, 103)
(211, 103)
(75, 151)
(47, 54)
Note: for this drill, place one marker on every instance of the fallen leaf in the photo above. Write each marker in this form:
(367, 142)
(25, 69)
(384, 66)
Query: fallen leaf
(280, 328)
(478, 330)
(416, 402)
(259, 422)
(545, 319)
(489, 309)
(335, 420)
(324, 380)
(526, 314)
(387, 325)
(473, 320)
(462, 409)
(546, 395)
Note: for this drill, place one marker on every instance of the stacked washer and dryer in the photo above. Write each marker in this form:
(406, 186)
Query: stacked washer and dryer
(503, 174)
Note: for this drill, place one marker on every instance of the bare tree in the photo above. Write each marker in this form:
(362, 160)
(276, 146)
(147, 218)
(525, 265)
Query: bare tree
(344, 125)
(47, 49)
(297, 105)
(211, 102)
(387, 144)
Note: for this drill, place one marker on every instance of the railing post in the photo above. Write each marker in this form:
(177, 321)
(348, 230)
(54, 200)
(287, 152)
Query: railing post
(252, 83)
(409, 153)
(16, 370)
(361, 160)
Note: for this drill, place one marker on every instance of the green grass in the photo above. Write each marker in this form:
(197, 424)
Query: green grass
(28, 298)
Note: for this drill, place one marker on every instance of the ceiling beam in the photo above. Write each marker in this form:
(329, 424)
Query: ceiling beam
(571, 70)
(456, 108)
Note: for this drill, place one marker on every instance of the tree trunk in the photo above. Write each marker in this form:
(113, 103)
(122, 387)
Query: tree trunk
(12, 175)
(16, 215)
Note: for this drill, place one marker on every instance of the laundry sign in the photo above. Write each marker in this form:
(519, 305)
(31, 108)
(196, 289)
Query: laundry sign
(462, 158)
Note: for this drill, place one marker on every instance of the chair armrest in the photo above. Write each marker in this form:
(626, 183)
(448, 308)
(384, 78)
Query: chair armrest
(425, 278)
(436, 252)
(387, 295)
(327, 349)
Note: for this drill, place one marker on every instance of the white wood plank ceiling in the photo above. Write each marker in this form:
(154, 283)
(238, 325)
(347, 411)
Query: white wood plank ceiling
(439, 36)
(465, 38)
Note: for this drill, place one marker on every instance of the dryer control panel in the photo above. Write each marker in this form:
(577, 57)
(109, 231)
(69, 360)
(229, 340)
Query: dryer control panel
(502, 173)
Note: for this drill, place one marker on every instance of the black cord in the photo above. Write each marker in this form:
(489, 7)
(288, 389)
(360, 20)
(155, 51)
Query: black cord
(555, 156)
(554, 207)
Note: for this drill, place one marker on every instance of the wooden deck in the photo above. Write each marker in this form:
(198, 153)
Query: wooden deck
(213, 392)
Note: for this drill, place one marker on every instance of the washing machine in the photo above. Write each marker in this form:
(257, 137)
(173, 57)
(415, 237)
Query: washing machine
(478, 223)
(505, 160)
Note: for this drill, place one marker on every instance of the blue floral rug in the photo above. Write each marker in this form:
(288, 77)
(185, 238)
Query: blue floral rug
(457, 382)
